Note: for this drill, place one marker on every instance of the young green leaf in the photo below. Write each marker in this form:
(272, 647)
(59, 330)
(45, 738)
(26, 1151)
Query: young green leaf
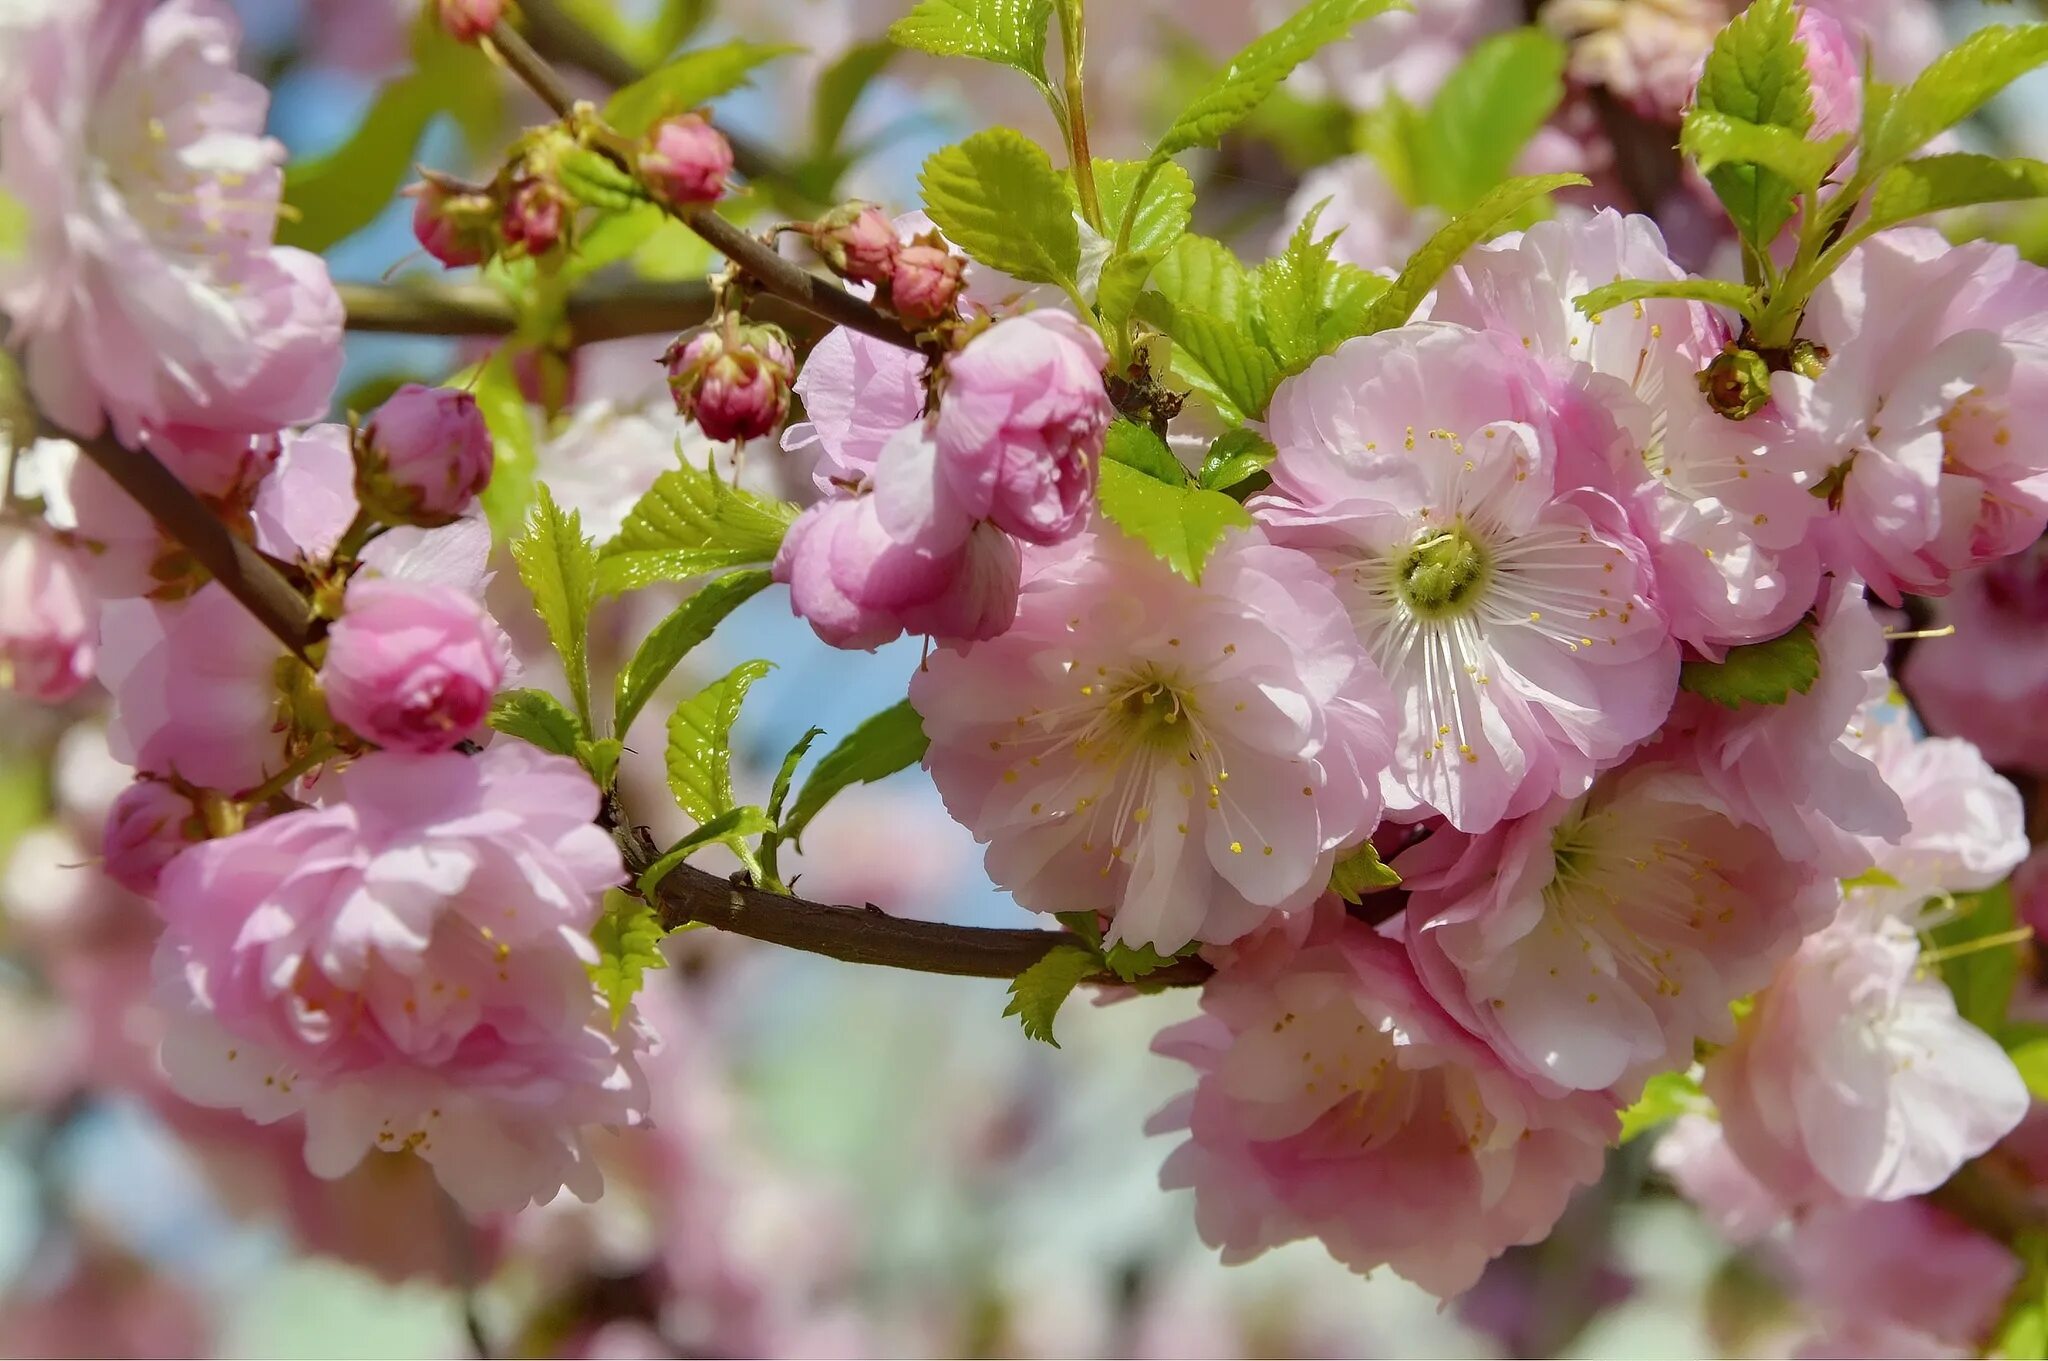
(597, 181)
(538, 717)
(509, 495)
(1716, 139)
(1360, 872)
(890, 741)
(1202, 275)
(1235, 456)
(1483, 115)
(1982, 977)
(1135, 446)
(601, 758)
(628, 940)
(1721, 293)
(1162, 215)
(559, 566)
(1010, 32)
(1756, 72)
(778, 793)
(1934, 183)
(1290, 289)
(1757, 673)
(1133, 962)
(1665, 1097)
(1957, 84)
(700, 743)
(688, 523)
(997, 197)
(692, 79)
(1452, 240)
(1037, 994)
(728, 826)
(689, 624)
(1217, 357)
(1181, 525)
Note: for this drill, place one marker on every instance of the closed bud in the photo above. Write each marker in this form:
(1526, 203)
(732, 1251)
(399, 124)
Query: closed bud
(455, 224)
(732, 380)
(1737, 383)
(535, 216)
(924, 284)
(423, 457)
(147, 826)
(468, 20)
(685, 160)
(858, 242)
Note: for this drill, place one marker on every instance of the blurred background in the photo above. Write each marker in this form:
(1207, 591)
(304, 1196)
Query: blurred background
(848, 1161)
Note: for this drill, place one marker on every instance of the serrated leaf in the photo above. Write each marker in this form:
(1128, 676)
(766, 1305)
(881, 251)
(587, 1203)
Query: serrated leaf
(628, 940)
(1133, 962)
(509, 495)
(700, 743)
(1769, 672)
(1289, 288)
(559, 566)
(1086, 925)
(687, 82)
(1181, 525)
(597, 181)
(1756, 72)
(1716, 139)
(1981, 978)
(1721, 293)
(1665, 1097)
(1037, 994)
(1483, 115)
(727, 827)
(1009, 32)
(1359, 872)
(688, 523)
(1162, 215)
(1429, 264)
(601, 758)
(689, 624)
(1219, 358)
(1135, 446)
(1202, 275)
(997, 197)
(1932, 184)
(890, 741)
(1258, 70)
(1235, 456)
(537, 717)
(1955, 85)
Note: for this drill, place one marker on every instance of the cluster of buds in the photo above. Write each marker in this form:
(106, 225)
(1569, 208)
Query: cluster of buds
(924, 287)
(422, 457)
(732, 378)
(685, 160)
(919, 280)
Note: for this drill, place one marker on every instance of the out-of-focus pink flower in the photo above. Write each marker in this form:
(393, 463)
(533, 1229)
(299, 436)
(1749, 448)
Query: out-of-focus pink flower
(108, 1303)
(1693, 1153)
(1987, 684)
(1647, 52)
(149, 824)
(1594, 942)
(1511, 611)
(1834, 70)
(1021, 422)
(859, 243)
(924, 281)
(46, 616)
(456, 225)
(1185, 759)
(412, 666)
(1376, 228)
(1900, 37)
(468, 20)
(685, 160)
(1336, 1100)
(733, 380)
(406, 967)
(1967, 827)
(1399, 53)
(423, 457)
(147, 289)
(1905, 1264)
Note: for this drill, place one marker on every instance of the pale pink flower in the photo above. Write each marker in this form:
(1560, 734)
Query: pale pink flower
(1510, 611)
(1594, 942)
(148, 825)
(1379, 230)
(1647, 52)
(1898, 37)
(1854, 1078)
(858, 392)
(1988, 683)
(1967, 827)
(406, 968)
(1020, 425)
(424, 456)
(1694, 1154)
(148, 288)
(1400, 53)
(1904, 1264)
(308, 501)
(413, 666)
(1336, 1100)
(1187, 759)
(1834, 72)
(46, 616)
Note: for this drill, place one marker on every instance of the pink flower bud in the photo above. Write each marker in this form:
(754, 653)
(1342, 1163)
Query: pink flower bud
(686, 160)
(454, 225)
(858, 242)
(1834, 71)
(147, 826)
(468, 20)
(423, 457)
(535, 216)
(734, 382)
(48, 626)
(924, 281)
(412, 665)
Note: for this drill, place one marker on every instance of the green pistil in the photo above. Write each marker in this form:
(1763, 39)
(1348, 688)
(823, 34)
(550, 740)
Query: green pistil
(1442, 573)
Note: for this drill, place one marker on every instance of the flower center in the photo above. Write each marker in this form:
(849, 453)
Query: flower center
(1442, 572)
(1151, 712)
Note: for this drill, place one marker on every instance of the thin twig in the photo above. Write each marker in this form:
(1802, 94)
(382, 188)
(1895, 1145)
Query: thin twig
(594, 312)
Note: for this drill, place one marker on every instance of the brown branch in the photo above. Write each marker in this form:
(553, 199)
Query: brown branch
(595, 312)
(754, 258)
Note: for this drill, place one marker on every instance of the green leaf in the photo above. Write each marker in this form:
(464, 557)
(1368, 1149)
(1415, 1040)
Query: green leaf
(1360, 872)
(1219, 358)
(689, 624)
(1181, 525)
(1756, 72)
(778, 793)
(538, 717)
(688, 82)
(1133, 962)
(700, 743)
(628, 940)
(1957, 84)
(1734, 297)
(595, 180)
(1452, 240)
(1235, 456)
(1979, 956)
(997, 197)
(728, 827)
(2031, 1059)
(601, 758)
(1162, 215)
(688, 523)
(1934, 183)
(1135, 446)
(890, 741)
(839, 89)
(1010, 32)
(559, 566)
(1202, 275)
(1716, 139)
(1037, 994)
(1665, 1097)
(1290, 290)
(1258, 70)
(509, 495)
(1483, 115)
(1769, 672)
(15, 225)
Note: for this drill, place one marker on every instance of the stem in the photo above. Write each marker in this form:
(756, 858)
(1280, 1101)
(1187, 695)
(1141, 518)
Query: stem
(278, 783)
(1073, 41)
(592, 313)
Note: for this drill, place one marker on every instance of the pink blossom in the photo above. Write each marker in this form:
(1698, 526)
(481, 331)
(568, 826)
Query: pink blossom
(1335, 1100)
(1966, 826)
(1987, 684)
(1854, 1078)
(1898, 37)
(46, 616)
(440, 908)
(1647, 52)
(1903, 1264)
(924, 281)
(858, 392)
(412, 665)
(685, 160)
(1692, 1152)
(1399, 53)
(302, 509)
(1021, 423)
(1834, 70)
(1593, 943)
(148, 289)
(1186, 759)
(424, 456)
(149, 824)
(1510, 611)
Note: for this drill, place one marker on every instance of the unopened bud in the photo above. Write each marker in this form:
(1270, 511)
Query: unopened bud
(423, 456)
(468, 20)
(455, 224)
(924, 285)
(1808, 359)
(685, 160)
(858, 242)
(146, 827)
(1737, 383)
(535, 216)
(733, 381)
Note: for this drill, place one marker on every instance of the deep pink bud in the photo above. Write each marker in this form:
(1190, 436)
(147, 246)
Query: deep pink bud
(468, 20)
(455, 225)
(685, 160)
(423, 456)
(149, 823)
(535, 216)
(925, 281)
(858, 242)
(734, 382)
(412, 665)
